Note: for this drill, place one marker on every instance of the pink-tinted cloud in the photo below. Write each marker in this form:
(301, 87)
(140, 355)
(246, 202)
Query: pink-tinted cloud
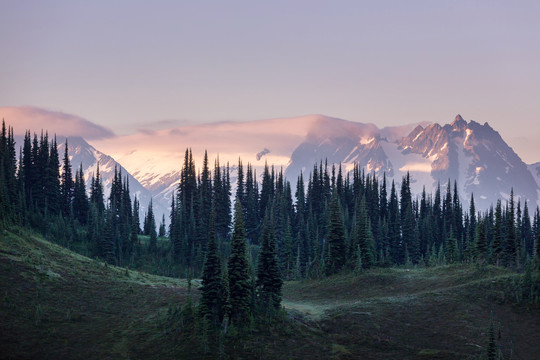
(23, 118)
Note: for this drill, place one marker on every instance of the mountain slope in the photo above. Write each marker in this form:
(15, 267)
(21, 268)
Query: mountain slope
(476, 157)
(155, 157)
(472, 154)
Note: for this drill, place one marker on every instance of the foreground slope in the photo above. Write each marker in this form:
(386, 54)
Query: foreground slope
(59, 305)
(430, 313)
(56, 304)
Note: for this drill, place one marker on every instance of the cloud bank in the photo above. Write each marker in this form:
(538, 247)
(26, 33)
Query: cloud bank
(23, 118)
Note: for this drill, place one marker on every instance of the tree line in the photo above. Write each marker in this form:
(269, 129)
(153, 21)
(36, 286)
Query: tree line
(333, 221)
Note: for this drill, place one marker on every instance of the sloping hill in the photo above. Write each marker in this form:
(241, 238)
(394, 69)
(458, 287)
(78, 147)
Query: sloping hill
(429, 313)
(55, 304)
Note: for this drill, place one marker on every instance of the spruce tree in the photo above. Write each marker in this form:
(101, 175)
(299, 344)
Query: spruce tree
(335, 239)
(212, 292)
(66, 188)
(526, 230)
(510, 252)
(498, 236)
(96, 192)
(480, 241)
(362, 242)
(80, 199)
(451, 248)
(269, 282)
(239, 280)
(52, 180)
(107, 244)
(150, 225)
(394, 230)
(161, 232)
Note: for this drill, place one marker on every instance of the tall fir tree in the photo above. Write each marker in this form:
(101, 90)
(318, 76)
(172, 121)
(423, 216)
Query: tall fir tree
(335, 238)
(498, 236)
(66, 188)
(239, 279)
(80, 199)
(510, 251)
(362, 242)
(269, 282)
(212, 293)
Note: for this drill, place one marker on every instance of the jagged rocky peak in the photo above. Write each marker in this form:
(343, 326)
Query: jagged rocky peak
(417, 130)
(458, 122)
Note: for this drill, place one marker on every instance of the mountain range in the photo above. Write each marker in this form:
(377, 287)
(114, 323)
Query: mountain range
(472, 154)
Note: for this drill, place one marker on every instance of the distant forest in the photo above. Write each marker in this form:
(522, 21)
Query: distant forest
(333, 222)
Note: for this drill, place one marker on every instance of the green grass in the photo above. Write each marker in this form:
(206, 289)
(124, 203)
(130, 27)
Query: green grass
(56, 304)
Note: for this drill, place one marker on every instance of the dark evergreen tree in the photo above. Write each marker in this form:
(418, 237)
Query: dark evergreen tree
(498, 236)
(362, 241)
(526, 230)
(66, 188)
(480, 240)
(510, 252)
(239, 280)
(394, 230)
(212, 292)
(451, 248)
(222, 201)
(51, 181)
(335, 238)
(150, 228)
(96, 192)
(162, 231)
(80, 199)
(107, 243)
(269, 282)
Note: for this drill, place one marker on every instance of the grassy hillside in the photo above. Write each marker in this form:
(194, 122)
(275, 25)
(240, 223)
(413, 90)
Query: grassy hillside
(56, 304)
(433, 313)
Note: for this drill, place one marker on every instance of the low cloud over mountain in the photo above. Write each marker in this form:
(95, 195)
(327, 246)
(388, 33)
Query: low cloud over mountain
(23, 118)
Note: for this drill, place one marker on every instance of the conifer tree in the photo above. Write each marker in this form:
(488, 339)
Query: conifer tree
(161, 232)
(212, 292)
(510, 253)
(96, 192)
(362, 243)
(239, 280)
(451, 248)
(269, 280)
(107, 246)
(472, 218)
(335, 239)
(206, 187)
(394, 231)
(537, 247)
(498, 236)
(80, 199)
(410, 235)
(480, 241)
(526, 230)
(51, 185)
(150, 228)
(135, 226)
(66, 188)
